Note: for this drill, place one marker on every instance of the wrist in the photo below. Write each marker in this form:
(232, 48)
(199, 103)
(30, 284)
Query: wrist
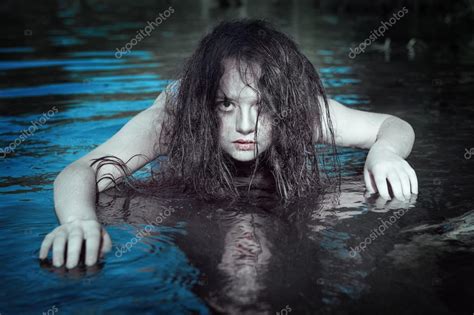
(88, 215)
(381, 144)
(73, 219)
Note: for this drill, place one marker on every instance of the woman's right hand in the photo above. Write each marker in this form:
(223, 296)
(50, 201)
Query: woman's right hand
(73, 234)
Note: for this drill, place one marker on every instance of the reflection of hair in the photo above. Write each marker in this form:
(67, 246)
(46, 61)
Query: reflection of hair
(287, 83)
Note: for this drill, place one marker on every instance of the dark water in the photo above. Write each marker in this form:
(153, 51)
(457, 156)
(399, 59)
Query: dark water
(251, 256)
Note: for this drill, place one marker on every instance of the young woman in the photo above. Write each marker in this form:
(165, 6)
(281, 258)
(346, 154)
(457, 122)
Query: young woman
(247, 98)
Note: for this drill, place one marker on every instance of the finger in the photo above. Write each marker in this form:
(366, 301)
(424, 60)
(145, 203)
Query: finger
(380, 202)
(382, 188)
(367, 195)
(46, 245)
(59, 244)
(405, 182)
(396, 185)
(106, 242)
(74, 247)
(369, 183)
(396, 204)
(92, 247)
(413, 179)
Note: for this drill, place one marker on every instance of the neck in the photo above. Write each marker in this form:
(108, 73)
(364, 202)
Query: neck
(244, 168)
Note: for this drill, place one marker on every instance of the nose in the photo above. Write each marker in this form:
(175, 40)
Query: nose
(245, 120)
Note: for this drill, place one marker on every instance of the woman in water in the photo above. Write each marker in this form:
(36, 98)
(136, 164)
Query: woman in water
(247, 98)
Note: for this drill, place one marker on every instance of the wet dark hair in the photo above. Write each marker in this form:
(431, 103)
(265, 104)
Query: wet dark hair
(289, 89)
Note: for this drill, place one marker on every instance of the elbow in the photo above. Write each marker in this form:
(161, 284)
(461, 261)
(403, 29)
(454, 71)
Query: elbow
(71, 172)
(407, 133)
(397, 134)
(410, 131)
(402, 125)
(64, 174)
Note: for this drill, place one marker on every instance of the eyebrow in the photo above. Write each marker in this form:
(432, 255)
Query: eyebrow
(219, 97)
(225, 96)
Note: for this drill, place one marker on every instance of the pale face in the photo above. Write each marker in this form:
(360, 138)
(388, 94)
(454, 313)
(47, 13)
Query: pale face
(237, 108)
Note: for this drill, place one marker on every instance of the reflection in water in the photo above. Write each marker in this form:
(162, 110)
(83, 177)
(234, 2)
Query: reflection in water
(83, 272)
(254, 256)
(453, 235)
(249, 251)
(244, 264)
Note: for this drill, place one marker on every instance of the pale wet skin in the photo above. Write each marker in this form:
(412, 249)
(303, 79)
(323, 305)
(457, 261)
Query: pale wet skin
(251, 256)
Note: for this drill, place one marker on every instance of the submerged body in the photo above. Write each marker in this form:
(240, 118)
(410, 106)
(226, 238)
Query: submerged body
(247, 131)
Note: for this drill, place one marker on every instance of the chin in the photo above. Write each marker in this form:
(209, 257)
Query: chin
(243, 156)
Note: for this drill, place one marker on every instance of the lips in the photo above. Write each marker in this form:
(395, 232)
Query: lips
(244, 145)
(244, 141)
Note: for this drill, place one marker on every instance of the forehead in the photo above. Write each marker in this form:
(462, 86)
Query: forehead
(239, 80)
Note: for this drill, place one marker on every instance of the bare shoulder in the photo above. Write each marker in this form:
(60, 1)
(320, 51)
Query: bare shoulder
(171, 91)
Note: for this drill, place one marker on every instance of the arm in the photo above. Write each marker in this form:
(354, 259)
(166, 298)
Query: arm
(138, 136)
(389, 140)
(75, 188)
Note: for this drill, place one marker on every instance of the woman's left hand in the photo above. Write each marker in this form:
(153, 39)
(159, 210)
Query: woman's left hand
(383, 165)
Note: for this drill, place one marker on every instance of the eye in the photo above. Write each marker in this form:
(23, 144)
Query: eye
(225, 105)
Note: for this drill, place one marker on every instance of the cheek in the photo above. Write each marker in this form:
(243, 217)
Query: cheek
(225, 127)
